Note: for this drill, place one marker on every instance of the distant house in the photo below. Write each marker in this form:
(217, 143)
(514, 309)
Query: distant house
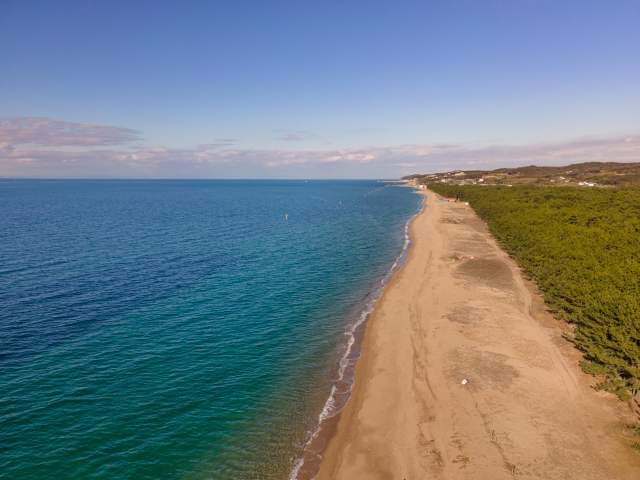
(447, 200)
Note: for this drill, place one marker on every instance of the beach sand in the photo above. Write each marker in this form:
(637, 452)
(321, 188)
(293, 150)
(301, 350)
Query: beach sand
(460, 309)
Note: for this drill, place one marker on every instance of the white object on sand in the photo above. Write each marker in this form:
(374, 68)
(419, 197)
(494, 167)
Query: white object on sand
(465, 381)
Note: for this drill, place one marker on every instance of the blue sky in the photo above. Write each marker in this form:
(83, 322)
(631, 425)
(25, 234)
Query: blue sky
(314, 89)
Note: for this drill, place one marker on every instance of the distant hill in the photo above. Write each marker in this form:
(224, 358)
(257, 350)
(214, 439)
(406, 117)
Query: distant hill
(591, 173)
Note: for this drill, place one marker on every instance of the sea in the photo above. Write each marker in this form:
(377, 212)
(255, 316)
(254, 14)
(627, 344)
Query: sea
(190, 329)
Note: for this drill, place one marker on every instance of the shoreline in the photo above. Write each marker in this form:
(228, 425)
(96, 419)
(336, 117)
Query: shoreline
(459, 309)
(340, 434)
(309, 464)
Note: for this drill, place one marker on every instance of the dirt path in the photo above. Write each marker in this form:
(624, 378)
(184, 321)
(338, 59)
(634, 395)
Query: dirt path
(459, 309)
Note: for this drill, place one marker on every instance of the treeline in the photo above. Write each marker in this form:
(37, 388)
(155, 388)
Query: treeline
(582, 247)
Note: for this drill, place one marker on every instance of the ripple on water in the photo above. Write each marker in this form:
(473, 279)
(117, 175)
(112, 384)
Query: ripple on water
(179, 328)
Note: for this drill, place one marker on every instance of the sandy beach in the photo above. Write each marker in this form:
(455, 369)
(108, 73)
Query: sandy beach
(459, 309)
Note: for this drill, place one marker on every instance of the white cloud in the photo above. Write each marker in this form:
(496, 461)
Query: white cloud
(218, 160)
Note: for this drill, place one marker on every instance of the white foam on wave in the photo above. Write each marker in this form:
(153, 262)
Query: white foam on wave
(329, 410)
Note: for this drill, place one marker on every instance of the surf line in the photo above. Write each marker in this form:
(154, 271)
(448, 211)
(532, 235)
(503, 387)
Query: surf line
(308, 465)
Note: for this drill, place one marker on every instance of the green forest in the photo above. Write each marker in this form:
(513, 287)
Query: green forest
(582, 248)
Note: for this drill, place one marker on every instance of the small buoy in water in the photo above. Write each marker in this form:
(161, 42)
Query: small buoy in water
(340, 202)
(286, 216)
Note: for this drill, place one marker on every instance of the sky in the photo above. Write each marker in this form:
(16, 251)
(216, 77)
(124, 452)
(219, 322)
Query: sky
(310, 89)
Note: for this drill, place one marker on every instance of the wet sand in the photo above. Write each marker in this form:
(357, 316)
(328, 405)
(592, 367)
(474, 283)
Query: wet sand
(460, 309)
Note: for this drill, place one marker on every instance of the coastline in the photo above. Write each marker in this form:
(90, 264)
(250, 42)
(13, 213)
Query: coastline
(309, 464)
(459, 309)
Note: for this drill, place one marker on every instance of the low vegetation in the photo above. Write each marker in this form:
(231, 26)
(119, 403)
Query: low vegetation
(582, 247)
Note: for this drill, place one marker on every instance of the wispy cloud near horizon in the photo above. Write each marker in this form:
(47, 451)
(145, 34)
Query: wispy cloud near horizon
(219, 160)
(55, 133)
(290, 136)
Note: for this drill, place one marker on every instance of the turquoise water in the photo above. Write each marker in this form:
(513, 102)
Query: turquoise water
(180, 329)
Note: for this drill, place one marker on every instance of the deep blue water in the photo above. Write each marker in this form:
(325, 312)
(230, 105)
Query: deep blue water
(179, 329)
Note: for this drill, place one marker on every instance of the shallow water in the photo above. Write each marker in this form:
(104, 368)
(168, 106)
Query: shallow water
(180, 329)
